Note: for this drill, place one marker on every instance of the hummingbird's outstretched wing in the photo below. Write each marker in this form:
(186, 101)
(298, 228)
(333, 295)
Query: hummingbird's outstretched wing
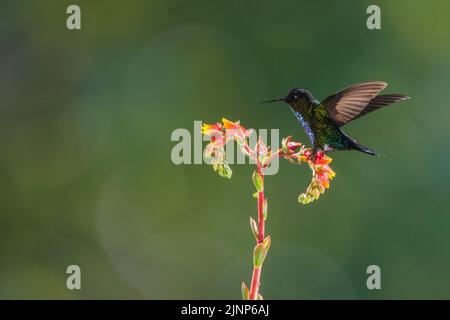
(381, 101)
(349, 103)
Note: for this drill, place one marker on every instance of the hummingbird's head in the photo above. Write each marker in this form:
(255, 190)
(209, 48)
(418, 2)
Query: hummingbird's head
(299, 96)
(296, 97)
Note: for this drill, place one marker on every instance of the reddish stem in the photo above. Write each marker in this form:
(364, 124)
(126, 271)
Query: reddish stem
(261, 222)
(256, 276)
(254, 288)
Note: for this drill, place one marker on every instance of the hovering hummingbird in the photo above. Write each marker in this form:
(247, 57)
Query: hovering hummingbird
(322, 121)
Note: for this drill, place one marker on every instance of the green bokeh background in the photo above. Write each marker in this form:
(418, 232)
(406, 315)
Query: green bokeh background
(86, 176)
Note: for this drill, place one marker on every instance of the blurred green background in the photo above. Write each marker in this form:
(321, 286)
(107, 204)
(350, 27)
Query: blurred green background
(86, 176)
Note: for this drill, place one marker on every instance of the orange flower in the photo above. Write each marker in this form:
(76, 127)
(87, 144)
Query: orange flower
(321, 170)
(211, 129)
(227, 124)
(289, 146)
(321, 158)
(322, 175)
(235, 131)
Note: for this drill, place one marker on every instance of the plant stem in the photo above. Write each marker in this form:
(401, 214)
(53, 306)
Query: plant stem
(254, 288)
(256, 276)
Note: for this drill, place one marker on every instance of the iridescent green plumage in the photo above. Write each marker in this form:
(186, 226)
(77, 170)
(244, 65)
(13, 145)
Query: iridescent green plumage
(322, 121)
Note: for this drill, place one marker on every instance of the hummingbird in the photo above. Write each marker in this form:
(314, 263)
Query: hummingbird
(322, 121)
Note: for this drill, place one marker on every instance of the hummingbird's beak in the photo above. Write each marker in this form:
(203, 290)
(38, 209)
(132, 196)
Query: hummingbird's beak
(274, 100)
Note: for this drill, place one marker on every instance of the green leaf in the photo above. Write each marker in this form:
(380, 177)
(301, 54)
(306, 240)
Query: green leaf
(254, 227)
(305, 198)
(259, 254)
(245, 291)
(264, 208)
(224, 170)
(267, 241)
(258, 181)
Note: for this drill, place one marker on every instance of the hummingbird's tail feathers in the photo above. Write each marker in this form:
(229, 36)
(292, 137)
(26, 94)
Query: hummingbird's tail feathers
(353, 144)
(381, 101)
(364, 149)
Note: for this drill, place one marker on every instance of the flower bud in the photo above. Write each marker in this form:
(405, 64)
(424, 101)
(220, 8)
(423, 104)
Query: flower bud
(259, 254)
(245, 291)
(258, 181)
(267, 241)
(254, 228)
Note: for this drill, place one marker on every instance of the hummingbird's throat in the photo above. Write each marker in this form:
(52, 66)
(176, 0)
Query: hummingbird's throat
(309, 132)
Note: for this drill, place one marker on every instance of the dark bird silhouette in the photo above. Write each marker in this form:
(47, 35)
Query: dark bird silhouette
(322, 121)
